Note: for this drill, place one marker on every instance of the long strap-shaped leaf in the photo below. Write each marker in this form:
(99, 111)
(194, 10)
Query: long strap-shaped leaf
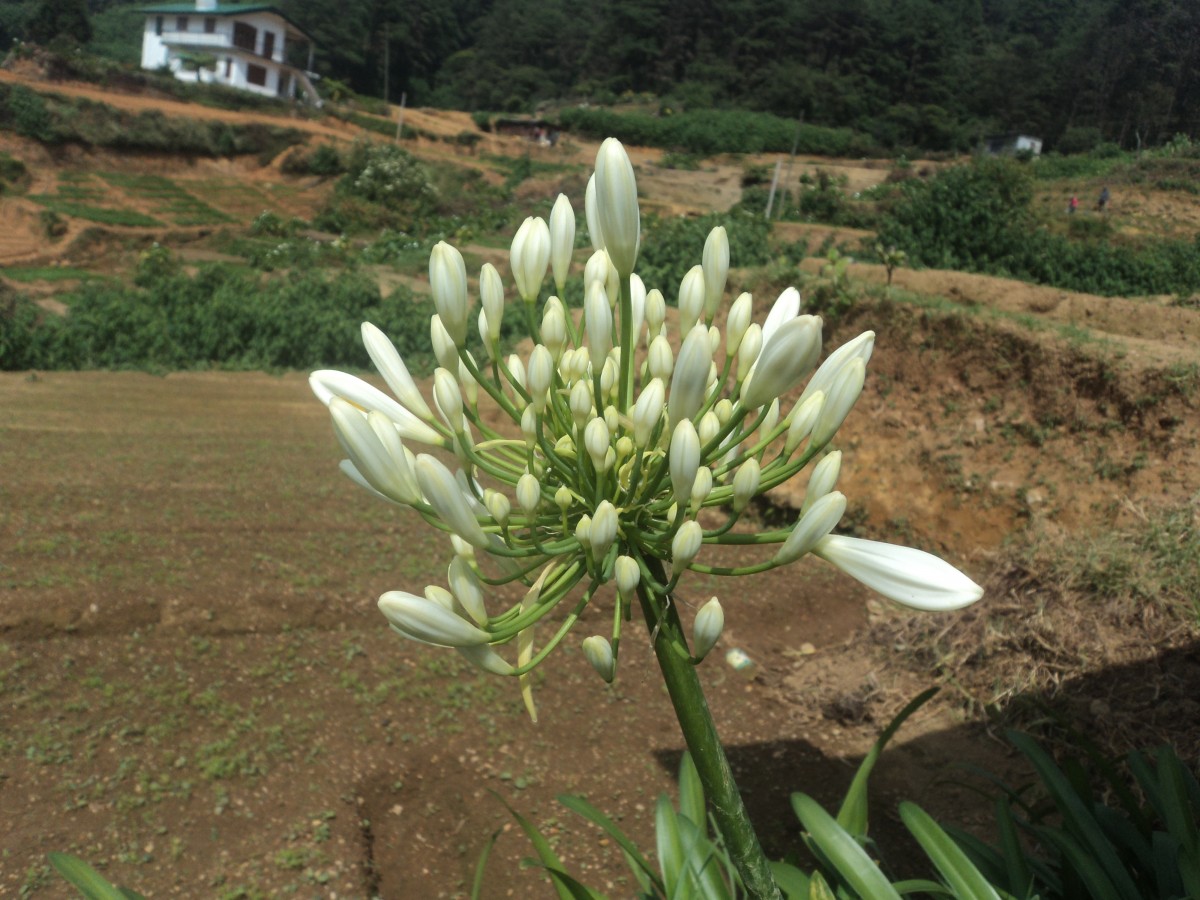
(636, 860)
(843, 851)
(964, 879)
(90, 883)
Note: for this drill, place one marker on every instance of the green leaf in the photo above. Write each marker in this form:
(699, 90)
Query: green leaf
(1020, 879)
(842, 850)
(549, 860)
(921, 886)
(477, 884)
(691, 791)
(819, 889)
(1092, 875)
(670, 850)
(793, 882)
(963, 878)
(853, 814)
(568, 886)
(637, 861)
(1176, 810)
(87, 880)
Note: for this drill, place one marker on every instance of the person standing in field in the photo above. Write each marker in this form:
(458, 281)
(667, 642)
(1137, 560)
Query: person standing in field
(1073, 204)
(1102, 202)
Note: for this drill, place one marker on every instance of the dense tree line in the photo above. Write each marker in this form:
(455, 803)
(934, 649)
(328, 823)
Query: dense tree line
(935, 74)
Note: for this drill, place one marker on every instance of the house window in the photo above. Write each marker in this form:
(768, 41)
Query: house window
(228, 67)
(181, 23)
(256, 75)
(158, 25)
(210, 25)
(244, 36)
(268, 44)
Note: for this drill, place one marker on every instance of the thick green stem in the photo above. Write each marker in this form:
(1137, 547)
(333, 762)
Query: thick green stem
(700, 734)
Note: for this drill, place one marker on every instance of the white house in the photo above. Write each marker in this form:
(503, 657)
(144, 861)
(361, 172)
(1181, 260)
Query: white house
(1012, 144)
(240, 45)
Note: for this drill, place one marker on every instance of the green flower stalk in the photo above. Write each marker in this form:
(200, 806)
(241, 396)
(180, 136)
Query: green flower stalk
(613, 446)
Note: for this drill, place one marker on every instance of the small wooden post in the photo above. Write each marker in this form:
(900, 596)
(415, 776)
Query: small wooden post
(400, 115)
(774, 184)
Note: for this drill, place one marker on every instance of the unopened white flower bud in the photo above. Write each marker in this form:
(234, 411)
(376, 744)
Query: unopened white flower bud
(595, 235)
(580, 401)
(724, 410)
(485, 336)
(785, 308)
(448, 284)
(745, 484)
(604, 529)
(685, 546)
(530, 257)
(740, 313)
(684, 459)
(598, 316)
(491, 297)
(484, 657)
(449, 399)
(612, 419)
(656, 312)
(659, 360)
(709, 428)
(429, 622)
(498, 506)
(707, 628)
(790, 355)
(823, 479)
(716, 269)
(554, 328)
(461, 548)
(803, 417)
(637, 305)
(627, 575)
(617, 205)
(702, 487)
(820, 519)
(691, 298)
(689, 383)
(448, 501)
(444, 349)
(648, 411)
(539, 377)
(598, 652)
(562, 239)
(583, 531)
(529, 423)
(467, 589)
(911, 577)
(529, 493)
(391, 366)
(839, 400)
(860, 347)
(516, 370)
(748, 350)
(596, 440)
(608, 377)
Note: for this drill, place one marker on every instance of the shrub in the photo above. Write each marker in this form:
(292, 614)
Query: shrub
(668, 242)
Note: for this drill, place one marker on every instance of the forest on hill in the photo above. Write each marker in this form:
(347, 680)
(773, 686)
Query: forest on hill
(929, 74)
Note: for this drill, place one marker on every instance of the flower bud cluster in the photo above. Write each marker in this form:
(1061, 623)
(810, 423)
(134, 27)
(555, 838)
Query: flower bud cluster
(616, 443)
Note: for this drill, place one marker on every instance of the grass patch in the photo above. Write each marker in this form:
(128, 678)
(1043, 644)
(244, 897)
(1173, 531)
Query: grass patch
(168, 198)
(102, 214)
(47, 273)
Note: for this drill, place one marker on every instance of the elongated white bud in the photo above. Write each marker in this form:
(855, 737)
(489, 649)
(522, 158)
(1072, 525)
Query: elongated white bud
(691, 298)
(449, 399)
(448, 501)
(368, 453)
(529, 493)
(702, 486)
(707, 628)
(448, 284)
(659, 360)
(597, 442)
(628, 575)
(580, 401)
(327, 384)
(429, 622)
(790, 355)
(444, 349)
(823, 479)
(598, 316)
(491, 298)
(820, 519)
(467, 589)
(562, 239)
(498, 507)
(689, 383)
(740, 313)
(648, 411)
(595, 234)
(554, 328)
(716, 269)
(785, 308)
(529, 257)
(748, 350)
(843, 393)
(637, 305)
(391, 366)
(685, 546)
(516, 370)
(745, 484)
(684, 459)
(604, 529)
(539, 377)
(598, 652)
(617, 205)
(709, 428)
(656, 312)
(583, 531)
(803, 417)
(860, 347)
(908, 576)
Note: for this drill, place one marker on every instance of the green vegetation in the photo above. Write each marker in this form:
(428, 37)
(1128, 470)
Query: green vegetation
(13, 174)
(666, 242)
(102, 214)
(46, 273)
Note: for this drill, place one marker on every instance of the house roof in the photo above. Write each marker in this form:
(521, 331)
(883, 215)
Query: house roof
(221, 9)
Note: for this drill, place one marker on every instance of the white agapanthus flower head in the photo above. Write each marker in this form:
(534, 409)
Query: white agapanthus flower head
(620, 431)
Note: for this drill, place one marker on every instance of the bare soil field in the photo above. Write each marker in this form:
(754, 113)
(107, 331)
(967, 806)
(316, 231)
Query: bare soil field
(198, 695)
